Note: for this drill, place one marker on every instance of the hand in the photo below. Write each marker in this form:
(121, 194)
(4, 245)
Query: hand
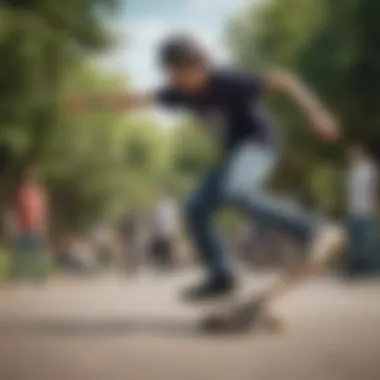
(325, 126)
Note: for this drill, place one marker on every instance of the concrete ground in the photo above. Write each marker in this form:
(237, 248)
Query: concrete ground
(136, 329)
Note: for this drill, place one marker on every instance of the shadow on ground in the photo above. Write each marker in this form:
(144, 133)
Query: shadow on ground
(116, 327)
(102, 327)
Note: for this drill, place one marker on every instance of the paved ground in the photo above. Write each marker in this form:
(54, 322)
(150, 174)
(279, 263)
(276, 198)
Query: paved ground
(111, 329)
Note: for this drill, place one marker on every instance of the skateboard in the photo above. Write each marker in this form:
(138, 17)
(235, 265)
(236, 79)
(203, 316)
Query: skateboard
(245, 316)
(255, 312)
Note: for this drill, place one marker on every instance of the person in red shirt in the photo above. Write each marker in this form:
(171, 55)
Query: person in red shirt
(30, 218)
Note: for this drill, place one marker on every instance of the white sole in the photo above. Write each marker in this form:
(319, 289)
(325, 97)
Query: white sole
(329, 245)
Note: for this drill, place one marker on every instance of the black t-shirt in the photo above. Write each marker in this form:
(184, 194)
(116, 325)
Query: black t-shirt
(229, 107)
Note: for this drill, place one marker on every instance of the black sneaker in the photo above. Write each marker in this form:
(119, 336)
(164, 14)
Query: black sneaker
(211, 289)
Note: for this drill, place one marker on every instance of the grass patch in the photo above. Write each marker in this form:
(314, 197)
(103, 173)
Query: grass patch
(5, 263)
(19, 266)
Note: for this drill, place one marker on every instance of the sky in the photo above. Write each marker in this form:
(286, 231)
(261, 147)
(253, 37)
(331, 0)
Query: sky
(142, 24)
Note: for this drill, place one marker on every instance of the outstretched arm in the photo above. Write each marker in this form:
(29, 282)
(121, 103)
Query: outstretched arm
(321, 120)
(117, 102)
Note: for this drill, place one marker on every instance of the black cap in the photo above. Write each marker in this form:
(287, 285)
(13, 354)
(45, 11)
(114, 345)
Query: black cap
(181, 50)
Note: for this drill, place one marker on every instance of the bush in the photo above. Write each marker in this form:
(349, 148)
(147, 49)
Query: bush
(5, 263)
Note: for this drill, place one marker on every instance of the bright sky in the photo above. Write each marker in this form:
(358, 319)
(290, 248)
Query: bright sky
(143, 24)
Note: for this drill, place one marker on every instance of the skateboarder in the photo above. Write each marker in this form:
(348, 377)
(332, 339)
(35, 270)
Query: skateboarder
(227, 101)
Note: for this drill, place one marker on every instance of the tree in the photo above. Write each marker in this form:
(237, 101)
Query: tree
(98, 163)
(334, 45)
(39, 42)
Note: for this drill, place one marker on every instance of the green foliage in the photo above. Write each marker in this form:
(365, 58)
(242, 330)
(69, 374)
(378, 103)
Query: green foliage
(94, 165)
(334, 45)
(5, 263)
(193, 150)
(41, 45)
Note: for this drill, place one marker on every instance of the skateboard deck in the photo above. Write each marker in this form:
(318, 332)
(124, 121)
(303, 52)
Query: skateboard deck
(255, 312)
(245, 316)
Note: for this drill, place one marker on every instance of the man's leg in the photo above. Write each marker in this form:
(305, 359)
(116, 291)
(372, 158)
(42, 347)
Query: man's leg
(238, 180)
(249, 168)
(200, 210)
(354, 261)
(367, 244)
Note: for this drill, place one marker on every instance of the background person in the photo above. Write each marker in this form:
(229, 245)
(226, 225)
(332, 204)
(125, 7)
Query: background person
(130, 234)
(362, 206)
(30, 217)
(165, 230)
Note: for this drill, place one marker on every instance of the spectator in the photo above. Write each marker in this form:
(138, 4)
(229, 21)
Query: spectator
(165, 230)
(129, 230)
(29, 214)
(103, 247)
(362, 190)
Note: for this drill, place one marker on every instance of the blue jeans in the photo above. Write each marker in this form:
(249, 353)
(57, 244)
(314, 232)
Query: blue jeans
(239, 180)
(362, 254)
(29, 242)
